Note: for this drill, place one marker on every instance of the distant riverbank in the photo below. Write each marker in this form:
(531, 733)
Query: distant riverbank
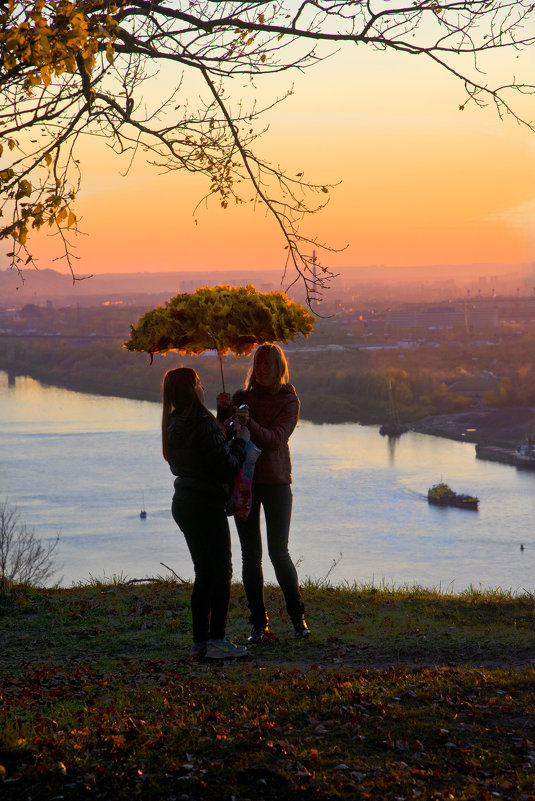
(103, 375)
(504, 427)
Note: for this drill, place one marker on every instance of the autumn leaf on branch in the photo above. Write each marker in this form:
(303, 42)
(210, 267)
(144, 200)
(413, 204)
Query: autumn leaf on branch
(70, 69)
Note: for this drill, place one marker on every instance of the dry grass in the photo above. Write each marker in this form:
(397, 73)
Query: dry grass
(399, 693)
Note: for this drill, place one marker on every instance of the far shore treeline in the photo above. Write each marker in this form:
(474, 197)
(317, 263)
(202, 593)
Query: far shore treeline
(335, 384)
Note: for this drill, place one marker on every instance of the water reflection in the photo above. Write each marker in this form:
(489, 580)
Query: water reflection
(81, 464)
(392, 443)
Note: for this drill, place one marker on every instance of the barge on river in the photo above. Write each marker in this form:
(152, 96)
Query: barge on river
(441, 494)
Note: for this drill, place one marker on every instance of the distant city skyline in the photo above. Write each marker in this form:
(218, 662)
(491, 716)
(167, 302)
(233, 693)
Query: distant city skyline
(396, 283)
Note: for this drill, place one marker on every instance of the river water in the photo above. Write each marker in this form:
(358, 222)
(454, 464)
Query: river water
(82, 466)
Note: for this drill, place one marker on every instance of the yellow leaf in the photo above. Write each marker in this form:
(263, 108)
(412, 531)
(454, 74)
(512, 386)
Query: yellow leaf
(25, 188)
(45, 44)
(10, 62)
(71, 219)
(110, 52)
(60, 216)
(45, 75)
(324, 189)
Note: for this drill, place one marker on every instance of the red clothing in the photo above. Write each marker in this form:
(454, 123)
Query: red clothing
(273, 418)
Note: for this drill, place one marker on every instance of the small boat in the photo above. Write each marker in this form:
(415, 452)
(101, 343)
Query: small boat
(441, 494)
(525, 453)
(393, 429)
(143, 513)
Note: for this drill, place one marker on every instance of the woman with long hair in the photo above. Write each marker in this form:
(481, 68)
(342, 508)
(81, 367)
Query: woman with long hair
(269, 406)
(195, 446)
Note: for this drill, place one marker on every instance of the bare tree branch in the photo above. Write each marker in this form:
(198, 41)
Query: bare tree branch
(71, 68)
(23, 558)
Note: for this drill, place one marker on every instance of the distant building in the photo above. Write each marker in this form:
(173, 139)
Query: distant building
(474, 386)
(469, 316)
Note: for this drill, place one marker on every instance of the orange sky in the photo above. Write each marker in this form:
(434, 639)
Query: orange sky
(420, 182)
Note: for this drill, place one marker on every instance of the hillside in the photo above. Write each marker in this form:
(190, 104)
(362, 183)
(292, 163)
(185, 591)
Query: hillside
(398, 694)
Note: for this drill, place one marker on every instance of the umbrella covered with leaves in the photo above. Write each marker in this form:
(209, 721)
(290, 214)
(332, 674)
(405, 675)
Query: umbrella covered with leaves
(221, 318)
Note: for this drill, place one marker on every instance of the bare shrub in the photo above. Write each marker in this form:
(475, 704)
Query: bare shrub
(24, 559)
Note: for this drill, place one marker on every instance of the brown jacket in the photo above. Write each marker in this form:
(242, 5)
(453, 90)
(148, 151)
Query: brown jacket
(273, 419)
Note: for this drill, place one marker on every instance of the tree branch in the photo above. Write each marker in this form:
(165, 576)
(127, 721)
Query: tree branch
(68, 69)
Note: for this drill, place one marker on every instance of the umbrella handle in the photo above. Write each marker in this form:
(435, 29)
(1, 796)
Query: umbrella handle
(221, 368)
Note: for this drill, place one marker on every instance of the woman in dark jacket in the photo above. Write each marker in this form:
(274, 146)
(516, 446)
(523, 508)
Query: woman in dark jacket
(270, 408)
(196, 448)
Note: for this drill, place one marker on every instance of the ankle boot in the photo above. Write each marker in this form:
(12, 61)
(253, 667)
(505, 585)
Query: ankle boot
(300, 627)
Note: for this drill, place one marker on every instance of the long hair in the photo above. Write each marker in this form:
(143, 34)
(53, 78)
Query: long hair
(275, 354)
(179, 392)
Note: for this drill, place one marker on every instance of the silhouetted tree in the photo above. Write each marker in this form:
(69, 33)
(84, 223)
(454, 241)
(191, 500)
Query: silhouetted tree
(23, 558)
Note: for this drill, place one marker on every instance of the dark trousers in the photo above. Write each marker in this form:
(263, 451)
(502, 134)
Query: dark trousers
(276, 501)
(204, 524)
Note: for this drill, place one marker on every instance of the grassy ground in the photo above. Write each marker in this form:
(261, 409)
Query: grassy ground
(398, 694)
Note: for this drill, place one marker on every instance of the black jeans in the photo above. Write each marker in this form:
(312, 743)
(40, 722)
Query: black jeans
(276, 500)
(204, 523)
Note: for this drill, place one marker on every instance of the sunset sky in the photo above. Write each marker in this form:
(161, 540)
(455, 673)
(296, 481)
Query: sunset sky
(419, 181)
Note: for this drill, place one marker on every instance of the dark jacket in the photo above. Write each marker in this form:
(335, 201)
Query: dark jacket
(273, 418)
(200, 456)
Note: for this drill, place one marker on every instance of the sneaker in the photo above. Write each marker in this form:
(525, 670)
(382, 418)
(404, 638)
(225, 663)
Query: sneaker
(198, 650)
(257, 635)
(301, 629)
(224, 649)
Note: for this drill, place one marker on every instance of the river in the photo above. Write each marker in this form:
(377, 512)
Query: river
(83, 465)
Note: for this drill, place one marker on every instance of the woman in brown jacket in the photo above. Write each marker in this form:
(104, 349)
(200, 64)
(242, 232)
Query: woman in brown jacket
(269, 407)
